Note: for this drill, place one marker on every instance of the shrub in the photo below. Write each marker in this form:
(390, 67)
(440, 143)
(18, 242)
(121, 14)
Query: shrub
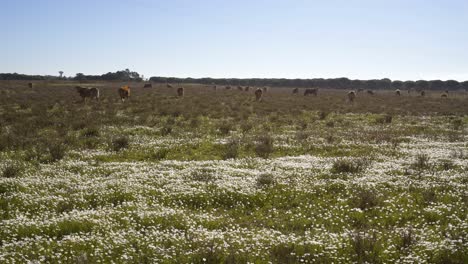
(119, 143)
(12, 170)
(302, 135)
(160, 154)
(203, 175)
(322, 115)
(57, 151)
(421, 162)
(246, 126)
(264, 147)
(232, 150)
(166, 130)
(265, 180)
(457, 124)
(364, 199)
(446, 165)
(350, 165)
(365, 247)
(225, 127)
(407, 238)
(386, 119)
(90, 132)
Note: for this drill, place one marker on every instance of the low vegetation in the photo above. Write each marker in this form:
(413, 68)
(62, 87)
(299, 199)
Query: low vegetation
(216, 177)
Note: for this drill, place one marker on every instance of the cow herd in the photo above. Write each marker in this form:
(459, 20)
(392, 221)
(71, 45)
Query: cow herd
(124, 92)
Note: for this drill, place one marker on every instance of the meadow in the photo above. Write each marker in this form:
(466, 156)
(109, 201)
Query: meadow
(216, 177)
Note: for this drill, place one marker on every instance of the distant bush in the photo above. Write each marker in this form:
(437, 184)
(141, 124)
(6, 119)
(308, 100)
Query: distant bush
(446, 165)
(232, 150)
(302, 135)
(12, 170)
(386, 119)
(407, 238)
(166, 130)
(264, 147)
(457, 124)
(364, 198)
(90, 132)
(365, 248)
(265, 180)
(421, 162)
(160, 154)
(330, 124)
(322, 115)
(246, 126)
(119, 143)
(203, 175)
(57, 151)
(225, 127)
(350, 165)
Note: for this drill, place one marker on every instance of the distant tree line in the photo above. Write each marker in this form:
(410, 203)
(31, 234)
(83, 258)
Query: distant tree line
(124, 75)
(18, 76)
(337, 83)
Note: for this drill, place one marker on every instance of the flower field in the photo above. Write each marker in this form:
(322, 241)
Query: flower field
(220, 178)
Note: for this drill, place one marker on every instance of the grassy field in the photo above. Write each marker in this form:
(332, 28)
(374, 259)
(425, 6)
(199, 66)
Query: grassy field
(215, 177)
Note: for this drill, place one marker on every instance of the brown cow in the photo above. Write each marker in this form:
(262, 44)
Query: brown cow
(148, 85)
(228, 87)
(397, 92)
(423, 93)
(310, 91)
(86, 92)
(258, 94)
(124, 92)
(180, 91)
(30, 85)
(351, 96)
(247, 88)
(240, 88)
(444, 95)
(295, 91)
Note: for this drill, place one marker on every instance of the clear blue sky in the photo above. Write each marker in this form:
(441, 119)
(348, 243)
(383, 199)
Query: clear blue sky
(398, 39)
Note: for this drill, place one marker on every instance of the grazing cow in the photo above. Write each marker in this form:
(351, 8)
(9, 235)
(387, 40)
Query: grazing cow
(312, 91)
(444, 95)
(86, 92)
(168, 86)
(148, 85)
(124, 92)
(351, 96)
(180, 91)
(228, 87)
(240, 88)
(397, 92)
(370, 92)
(295, 91)
(30, 85)
(423, 93)
(258, 94)
(247, 88)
